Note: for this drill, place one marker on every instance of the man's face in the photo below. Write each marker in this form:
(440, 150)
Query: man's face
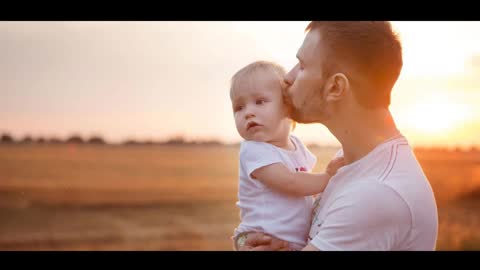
(306, 81)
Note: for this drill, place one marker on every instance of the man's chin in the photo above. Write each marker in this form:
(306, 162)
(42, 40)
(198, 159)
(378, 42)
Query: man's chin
(301, 118)
(311, 117)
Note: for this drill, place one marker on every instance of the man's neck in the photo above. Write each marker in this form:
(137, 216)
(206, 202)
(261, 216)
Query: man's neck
(360, 133)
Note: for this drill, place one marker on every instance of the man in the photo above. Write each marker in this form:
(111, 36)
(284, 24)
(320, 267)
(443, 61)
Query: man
(381, 199)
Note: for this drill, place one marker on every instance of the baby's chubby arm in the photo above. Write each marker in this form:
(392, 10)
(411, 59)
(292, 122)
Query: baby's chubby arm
(278, 176)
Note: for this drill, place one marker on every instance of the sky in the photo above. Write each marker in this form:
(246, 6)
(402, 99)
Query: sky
(156, 80)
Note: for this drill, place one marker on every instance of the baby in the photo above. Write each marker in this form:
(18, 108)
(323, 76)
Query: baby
(276, 183)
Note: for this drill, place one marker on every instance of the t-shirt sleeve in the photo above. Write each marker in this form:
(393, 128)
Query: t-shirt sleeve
(254, 155)
(371, 216)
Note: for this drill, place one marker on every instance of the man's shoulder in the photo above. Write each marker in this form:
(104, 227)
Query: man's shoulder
(404, 159)
(404, 173)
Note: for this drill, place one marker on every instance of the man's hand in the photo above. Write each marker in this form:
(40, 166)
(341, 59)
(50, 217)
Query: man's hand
(263, 242)
(310, 247)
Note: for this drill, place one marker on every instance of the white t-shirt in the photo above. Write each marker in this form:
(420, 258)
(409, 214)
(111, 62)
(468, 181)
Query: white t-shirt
(380, 202)
(263, 209)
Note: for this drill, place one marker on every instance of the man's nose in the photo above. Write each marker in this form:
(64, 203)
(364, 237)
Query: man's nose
(291, 75)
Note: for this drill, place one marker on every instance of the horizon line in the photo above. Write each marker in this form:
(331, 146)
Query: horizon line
(76, 138)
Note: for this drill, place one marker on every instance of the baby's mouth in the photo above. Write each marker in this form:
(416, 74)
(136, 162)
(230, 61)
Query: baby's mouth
(251, 125)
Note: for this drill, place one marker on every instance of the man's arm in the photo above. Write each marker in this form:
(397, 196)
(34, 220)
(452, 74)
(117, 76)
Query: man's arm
(310, 247)
(279, 177)
(263, 242)
(256, 241)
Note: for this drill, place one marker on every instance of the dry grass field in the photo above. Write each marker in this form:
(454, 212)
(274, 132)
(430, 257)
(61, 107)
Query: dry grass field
(85, 197)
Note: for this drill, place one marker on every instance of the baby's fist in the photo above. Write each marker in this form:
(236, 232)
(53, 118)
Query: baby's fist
(334, 165)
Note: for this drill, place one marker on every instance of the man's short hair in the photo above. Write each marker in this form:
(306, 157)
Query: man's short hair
(368, 52)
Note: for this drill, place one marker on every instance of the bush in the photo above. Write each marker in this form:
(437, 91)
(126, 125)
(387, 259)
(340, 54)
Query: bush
(75, 140)
(96, 140)
(6, 138)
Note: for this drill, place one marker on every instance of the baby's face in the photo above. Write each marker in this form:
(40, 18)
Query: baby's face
(259, 111)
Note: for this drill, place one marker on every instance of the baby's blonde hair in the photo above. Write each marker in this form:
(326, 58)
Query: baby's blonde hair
(266, 66)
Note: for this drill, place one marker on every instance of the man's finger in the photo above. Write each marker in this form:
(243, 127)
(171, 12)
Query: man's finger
(245, 248)
(257, 239)
(275, 245)
(261, 248)
(285, 247)
(278, 244)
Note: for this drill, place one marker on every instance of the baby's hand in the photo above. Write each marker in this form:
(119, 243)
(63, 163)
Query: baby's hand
(334, 165)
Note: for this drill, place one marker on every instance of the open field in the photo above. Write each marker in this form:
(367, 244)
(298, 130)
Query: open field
(80, 197)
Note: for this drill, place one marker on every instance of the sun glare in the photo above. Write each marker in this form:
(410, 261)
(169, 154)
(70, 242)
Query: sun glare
(436, 115)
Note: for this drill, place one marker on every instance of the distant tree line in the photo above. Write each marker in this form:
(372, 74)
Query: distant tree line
(6, 138)
(176, 140)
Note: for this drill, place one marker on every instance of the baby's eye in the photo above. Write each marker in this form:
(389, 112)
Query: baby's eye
(260, 102)
(237, 108)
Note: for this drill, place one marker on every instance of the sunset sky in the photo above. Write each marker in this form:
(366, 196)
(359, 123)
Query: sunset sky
(154, 80)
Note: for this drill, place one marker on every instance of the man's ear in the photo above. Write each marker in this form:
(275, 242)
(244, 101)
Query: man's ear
(336, 87)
